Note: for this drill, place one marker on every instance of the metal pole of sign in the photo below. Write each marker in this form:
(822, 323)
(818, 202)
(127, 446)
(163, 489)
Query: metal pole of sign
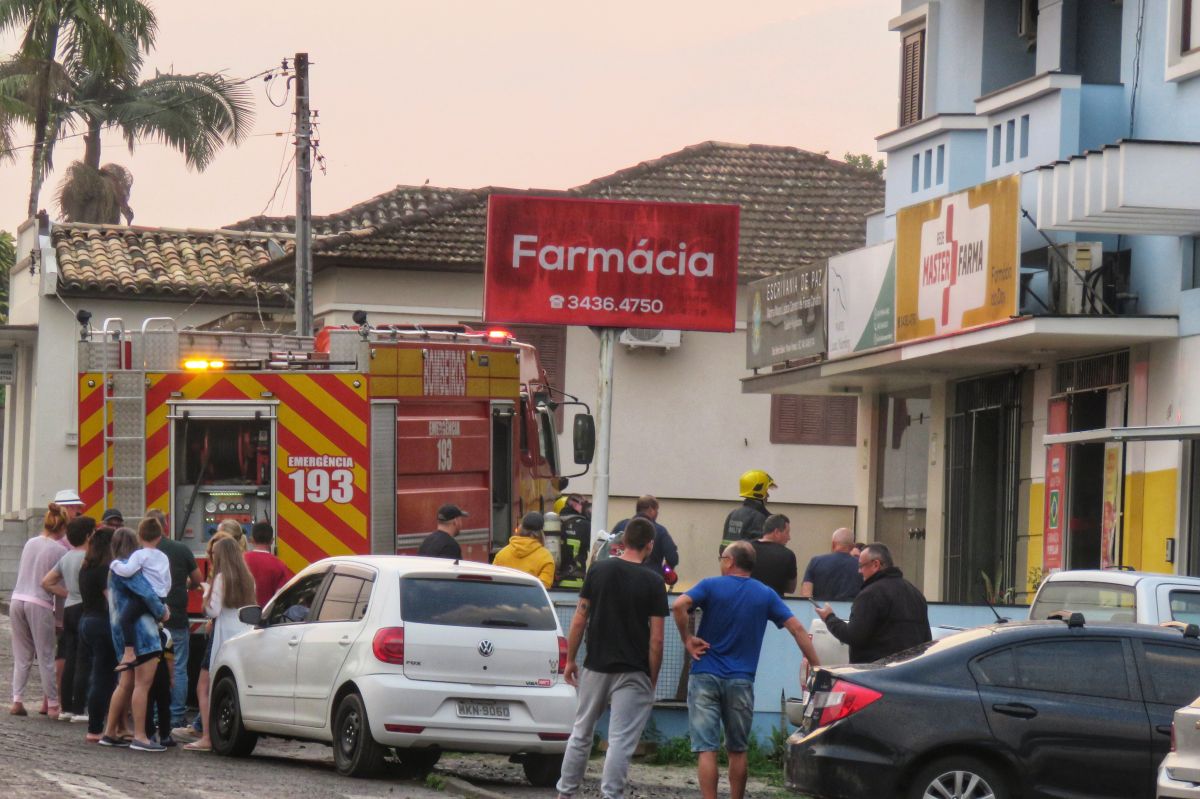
(608, 344)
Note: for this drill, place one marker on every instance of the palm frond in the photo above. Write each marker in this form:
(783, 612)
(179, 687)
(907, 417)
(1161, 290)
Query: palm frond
(97, 196)
(195, 114)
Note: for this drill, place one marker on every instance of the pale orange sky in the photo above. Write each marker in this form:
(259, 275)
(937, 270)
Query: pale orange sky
(533, 93)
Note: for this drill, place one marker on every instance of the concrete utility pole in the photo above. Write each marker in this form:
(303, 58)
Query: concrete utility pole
(304, 306)
(600, 479)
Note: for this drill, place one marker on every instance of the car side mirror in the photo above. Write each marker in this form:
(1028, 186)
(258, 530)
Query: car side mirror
(251, 614)
(584, 438)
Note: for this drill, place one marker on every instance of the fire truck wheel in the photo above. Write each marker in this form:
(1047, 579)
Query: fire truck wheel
(542, 771)
(229, 736)
(355, 752)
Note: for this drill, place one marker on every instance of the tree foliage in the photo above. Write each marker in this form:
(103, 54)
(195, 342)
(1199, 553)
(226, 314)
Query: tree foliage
(8, 258)
(864, 162)
(78, 70)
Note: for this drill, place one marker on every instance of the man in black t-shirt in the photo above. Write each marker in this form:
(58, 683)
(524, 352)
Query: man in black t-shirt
(621, 607)
(441, 542)
(774, 563)
(184, 575)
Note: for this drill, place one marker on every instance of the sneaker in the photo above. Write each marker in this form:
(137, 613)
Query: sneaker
(184, 733)
(147, 746)
(167, 741)
(110, 741)
(79, 718)
(65, 716)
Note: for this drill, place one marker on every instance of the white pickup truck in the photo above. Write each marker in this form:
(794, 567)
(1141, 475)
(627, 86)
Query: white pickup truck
(1099, 594)
(1115, 595)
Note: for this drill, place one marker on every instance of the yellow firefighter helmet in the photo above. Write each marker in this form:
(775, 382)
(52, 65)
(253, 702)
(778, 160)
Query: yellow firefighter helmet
(754, 484)
(559, 504)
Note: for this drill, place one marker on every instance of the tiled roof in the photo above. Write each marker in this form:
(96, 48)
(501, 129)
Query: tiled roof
(204, 264)
(796, 207)
(396, 204)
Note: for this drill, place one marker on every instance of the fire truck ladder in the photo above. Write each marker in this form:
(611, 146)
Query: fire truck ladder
(124, 411)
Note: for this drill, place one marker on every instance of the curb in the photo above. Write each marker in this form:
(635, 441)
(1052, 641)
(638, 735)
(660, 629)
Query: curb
(464, 788)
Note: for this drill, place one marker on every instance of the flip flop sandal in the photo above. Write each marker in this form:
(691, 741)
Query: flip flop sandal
(196, 746)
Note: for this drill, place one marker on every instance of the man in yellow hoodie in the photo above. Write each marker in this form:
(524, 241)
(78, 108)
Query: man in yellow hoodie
(526, 551)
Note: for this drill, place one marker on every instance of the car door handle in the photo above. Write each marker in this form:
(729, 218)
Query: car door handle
(294, 642)
(344, 640)
(1165, 729)
(1016, 710)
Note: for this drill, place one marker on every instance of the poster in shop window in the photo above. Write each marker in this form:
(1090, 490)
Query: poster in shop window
(957, 261)
(1110, 521)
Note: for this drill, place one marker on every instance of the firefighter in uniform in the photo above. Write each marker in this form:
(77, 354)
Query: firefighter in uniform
(575, 514)
(745, 523)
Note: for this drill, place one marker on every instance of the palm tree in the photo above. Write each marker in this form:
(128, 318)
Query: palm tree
(195, 114)
(104, 36)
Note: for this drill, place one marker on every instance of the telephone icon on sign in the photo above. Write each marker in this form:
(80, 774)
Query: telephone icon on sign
(556, 302)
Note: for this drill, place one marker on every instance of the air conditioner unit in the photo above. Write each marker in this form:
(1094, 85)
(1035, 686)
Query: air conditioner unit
(1078, 290)
(649, 337)
(1027, 20)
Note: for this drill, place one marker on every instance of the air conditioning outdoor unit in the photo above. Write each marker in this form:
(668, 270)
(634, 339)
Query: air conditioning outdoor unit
(648, 337)
(1078, 290)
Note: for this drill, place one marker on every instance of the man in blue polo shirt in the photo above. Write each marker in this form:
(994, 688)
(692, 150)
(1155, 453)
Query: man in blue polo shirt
(725, 653)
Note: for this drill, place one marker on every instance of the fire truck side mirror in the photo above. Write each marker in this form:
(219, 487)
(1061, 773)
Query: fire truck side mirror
(584, 438)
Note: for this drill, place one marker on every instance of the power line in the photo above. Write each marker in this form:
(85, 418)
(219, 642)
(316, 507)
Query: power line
(170, 107)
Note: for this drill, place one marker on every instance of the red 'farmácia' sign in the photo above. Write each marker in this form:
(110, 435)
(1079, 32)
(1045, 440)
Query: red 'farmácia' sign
(609, 263)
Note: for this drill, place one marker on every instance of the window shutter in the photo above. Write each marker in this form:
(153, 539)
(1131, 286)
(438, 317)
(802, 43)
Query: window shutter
(828, 421)
(912, 78)
(551, 344)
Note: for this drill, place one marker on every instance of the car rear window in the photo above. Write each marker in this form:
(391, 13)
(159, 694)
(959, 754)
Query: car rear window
(1185, 606)
(475, 603)
(1096, 601)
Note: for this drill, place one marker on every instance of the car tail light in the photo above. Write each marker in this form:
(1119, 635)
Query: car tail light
(388, 645)
(479, 578)
(843, 699)
(562, 654)
(1172, 736)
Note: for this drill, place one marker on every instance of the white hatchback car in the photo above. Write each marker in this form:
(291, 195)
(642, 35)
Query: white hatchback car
(415, 655)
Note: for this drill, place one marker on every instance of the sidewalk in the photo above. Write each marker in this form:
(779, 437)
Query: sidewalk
(4, 595)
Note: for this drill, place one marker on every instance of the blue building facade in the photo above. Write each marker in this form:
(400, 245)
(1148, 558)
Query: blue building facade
(1041, 417)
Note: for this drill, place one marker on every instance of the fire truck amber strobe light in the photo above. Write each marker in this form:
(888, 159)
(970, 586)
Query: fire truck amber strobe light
(497, 334)
(200, 365)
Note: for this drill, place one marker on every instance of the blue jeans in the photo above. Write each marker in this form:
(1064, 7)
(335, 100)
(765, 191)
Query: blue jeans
(713, 701)
(180, 638)
(120, 589)
(95, 636)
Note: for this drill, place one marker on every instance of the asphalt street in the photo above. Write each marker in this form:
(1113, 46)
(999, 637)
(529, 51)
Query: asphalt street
(40, 758)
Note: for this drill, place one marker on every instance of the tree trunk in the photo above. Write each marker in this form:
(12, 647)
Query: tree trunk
(41, 121)
(91, 141)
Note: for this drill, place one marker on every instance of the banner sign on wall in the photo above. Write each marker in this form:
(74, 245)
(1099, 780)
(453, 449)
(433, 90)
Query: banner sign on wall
(1056, 489)
(609, 263)
(861, 303)
(785, 317)
(957, 260)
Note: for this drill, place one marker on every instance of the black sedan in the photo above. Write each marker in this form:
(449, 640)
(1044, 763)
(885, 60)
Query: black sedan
(1030, 709)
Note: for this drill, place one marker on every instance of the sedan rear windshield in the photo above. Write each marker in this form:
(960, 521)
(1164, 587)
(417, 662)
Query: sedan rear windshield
(1096, 601)
(475, 603)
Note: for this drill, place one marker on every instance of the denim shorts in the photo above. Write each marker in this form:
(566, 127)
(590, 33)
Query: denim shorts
(715, 701)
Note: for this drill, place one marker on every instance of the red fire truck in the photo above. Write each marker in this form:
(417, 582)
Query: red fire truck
(347, 442)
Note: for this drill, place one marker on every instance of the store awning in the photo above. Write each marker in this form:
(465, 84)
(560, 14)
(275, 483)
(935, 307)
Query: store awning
(1131, 187)
(11, 335)
(1014, 344)
(1105, 435)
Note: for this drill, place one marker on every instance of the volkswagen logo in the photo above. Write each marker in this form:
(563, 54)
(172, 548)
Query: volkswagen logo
(485, 648)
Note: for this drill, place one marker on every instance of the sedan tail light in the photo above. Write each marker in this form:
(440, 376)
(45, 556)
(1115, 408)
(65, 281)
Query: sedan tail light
(843, 699)
(562, 654)
(1172, 736)
(388, 645)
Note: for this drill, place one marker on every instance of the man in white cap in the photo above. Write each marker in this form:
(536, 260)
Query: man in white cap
(68, 499)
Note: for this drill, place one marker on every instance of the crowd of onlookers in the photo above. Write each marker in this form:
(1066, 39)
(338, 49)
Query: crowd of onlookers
(102, 609)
